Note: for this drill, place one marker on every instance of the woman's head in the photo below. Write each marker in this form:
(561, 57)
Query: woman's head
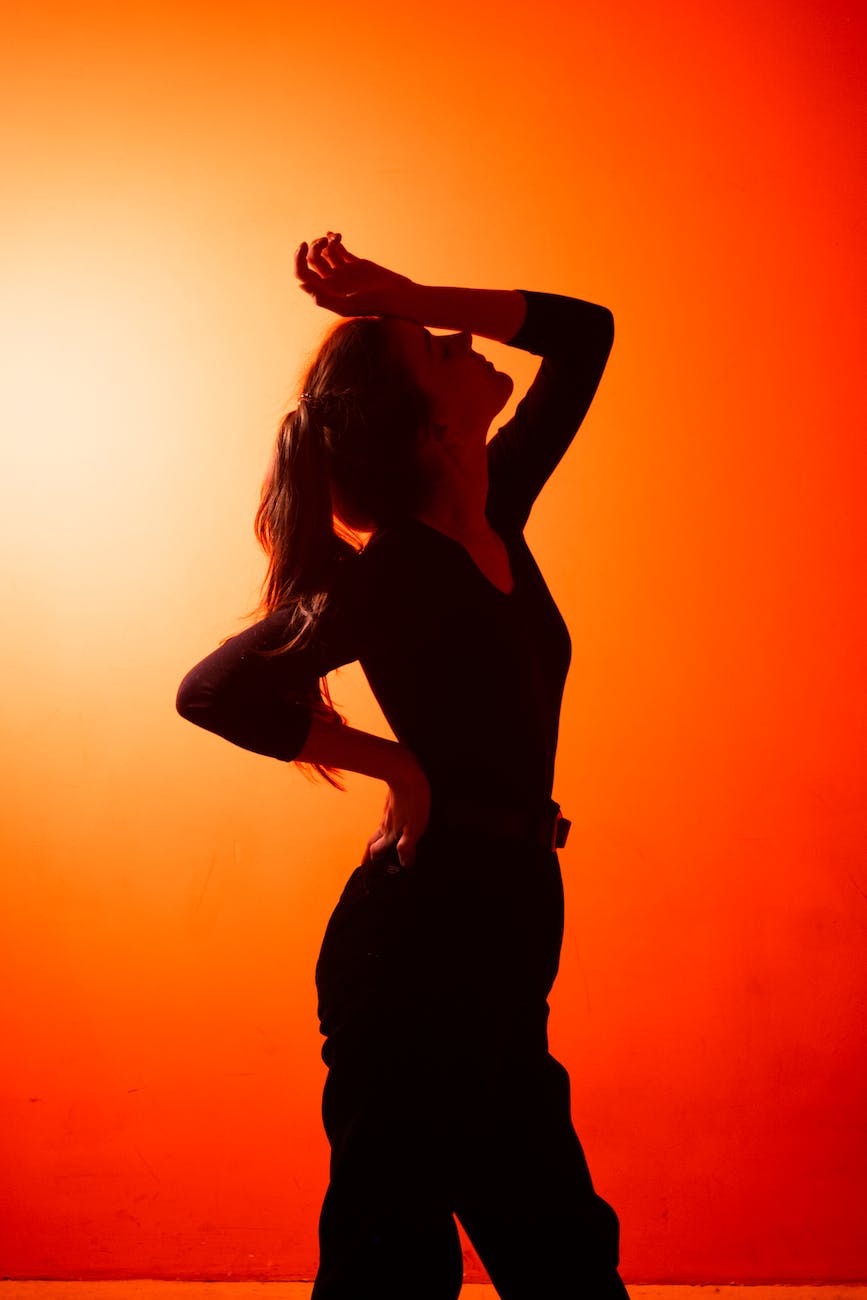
(385, 407)
(464, 390)
(348, 450)
(364, 403)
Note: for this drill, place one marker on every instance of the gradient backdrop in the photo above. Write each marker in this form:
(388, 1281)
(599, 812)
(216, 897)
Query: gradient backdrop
(700, 171)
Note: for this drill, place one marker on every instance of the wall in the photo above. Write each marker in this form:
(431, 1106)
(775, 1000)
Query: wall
(163, 895)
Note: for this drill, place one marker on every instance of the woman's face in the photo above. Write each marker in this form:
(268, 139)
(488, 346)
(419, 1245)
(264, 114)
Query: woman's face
(466, 391)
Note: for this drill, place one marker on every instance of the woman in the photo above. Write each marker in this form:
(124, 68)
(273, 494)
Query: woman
(441, 1098)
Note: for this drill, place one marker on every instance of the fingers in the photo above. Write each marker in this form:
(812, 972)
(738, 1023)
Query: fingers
(334, 251)
(404, 819)
(323, 255)
(329, 253)
(309, 279)
(386, 842)
(406, 850)
(312, 280)
(315, 255)
(310, 264)
(380, 842)
(302, 271)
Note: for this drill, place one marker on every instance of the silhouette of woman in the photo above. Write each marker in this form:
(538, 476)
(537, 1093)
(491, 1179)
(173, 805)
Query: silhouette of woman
(441, 1098)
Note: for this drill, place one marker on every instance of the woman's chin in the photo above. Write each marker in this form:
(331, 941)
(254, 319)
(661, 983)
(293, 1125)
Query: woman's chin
(506, 383)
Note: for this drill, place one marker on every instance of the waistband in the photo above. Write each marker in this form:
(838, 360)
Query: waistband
(545, 826)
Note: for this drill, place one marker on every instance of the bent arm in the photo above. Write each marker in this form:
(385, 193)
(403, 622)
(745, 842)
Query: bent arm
(238, 698)
(574, 339)
(264, 704)
(351, 750)
(407, 806)
(258, 694)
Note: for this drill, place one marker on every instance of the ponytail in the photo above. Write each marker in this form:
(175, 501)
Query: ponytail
(346, 456)
(294, 522)
(294, 526)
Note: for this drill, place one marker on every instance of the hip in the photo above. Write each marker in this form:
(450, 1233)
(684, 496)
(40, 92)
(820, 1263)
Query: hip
(471, 918)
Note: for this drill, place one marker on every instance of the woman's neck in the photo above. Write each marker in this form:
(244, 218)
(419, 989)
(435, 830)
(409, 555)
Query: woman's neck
(459, 514)
(458, 500)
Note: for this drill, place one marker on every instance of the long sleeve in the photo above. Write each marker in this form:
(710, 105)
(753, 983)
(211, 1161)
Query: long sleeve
(265, 702)
(261, 703)
(574, 338)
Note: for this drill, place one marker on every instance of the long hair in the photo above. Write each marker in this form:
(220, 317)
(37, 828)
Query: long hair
(345, 462)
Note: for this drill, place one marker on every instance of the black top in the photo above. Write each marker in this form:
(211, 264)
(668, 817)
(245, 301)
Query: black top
(470, 678)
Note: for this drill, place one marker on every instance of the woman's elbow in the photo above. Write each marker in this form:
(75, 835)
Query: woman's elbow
(606, 328)
(603, 339)
(595, 339)
(194, 699)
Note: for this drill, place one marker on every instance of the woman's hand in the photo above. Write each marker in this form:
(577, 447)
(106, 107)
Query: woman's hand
(346, 284)
(351, 286)
(405, 817)
(407, 807)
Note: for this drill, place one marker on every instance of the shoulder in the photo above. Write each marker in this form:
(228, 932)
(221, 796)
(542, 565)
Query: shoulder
(398, 571)
(390, 551)
(363, 589)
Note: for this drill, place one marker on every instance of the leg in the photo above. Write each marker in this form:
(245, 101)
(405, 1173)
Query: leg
(386, 1227)
(523, 1190)
(526, 1198)
(386, 1222)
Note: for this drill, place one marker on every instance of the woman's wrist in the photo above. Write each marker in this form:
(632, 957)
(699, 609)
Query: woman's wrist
(406, 769)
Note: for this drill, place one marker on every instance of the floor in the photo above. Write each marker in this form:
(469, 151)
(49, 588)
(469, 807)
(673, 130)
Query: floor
(301, 1291)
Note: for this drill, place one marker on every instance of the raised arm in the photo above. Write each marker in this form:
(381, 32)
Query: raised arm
(573, 337)
(354, 286)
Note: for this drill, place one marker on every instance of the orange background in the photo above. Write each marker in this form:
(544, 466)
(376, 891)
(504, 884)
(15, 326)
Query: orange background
(163, 894)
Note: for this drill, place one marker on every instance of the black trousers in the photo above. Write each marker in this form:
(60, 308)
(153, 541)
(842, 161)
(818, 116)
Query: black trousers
(442, 1099)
